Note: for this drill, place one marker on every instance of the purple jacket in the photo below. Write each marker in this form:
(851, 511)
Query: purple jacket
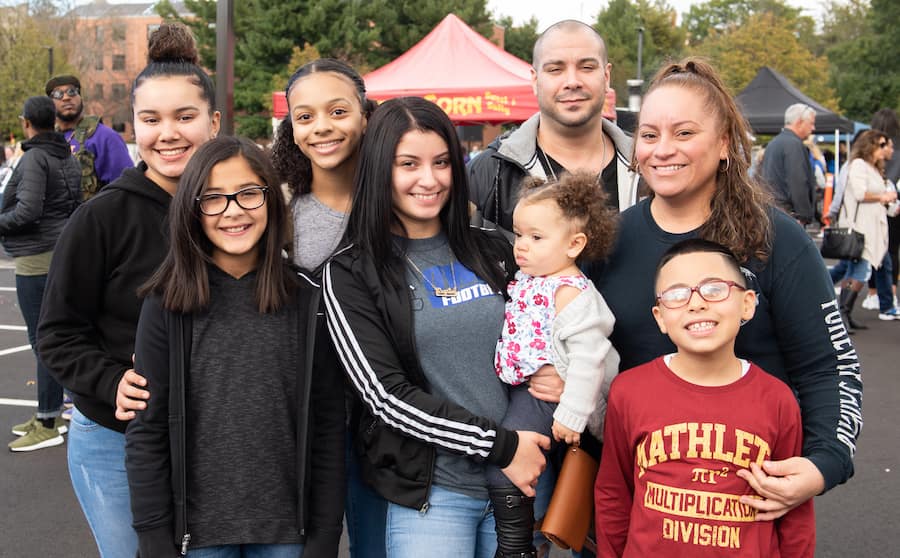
(111, 155)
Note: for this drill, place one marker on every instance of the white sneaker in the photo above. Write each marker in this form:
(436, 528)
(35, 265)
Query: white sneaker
(892, 314)
(870, 303)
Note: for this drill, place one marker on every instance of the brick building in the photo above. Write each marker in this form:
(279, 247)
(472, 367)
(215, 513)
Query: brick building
(111, 51)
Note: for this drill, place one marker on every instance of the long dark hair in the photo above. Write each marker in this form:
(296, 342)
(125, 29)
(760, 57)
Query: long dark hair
(372, 218)
(739, 207)
(182, 280)
(292, 166)
(172, 51)
(885, 120)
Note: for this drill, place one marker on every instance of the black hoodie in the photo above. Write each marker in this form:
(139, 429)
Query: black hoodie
(109, 248)
(45, 188)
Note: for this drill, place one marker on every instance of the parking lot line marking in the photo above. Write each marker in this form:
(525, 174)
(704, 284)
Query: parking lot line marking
(13, 328)
(10, 289)
(15, 350)
(18, 402)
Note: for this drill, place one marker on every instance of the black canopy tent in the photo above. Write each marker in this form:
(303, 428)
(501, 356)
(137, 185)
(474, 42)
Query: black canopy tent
(765, 99)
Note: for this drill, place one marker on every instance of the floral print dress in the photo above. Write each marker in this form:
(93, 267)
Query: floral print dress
(524, 344)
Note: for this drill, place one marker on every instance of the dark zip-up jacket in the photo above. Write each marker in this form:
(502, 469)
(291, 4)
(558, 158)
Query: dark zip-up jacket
(110, 247)
(496, 174)
(155, 439)
(44, 189)
(402, 424)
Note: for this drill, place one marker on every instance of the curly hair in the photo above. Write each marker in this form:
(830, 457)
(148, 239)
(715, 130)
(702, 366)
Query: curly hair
(292, 166)
(739, 209)
(582, 202)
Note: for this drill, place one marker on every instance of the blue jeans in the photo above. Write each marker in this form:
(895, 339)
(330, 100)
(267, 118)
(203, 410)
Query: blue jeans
(838, 271)
(248, 551)
(97, 469)
(30, 291)
(883, 282)
(857, 271)
(453, 526)
(364, 510)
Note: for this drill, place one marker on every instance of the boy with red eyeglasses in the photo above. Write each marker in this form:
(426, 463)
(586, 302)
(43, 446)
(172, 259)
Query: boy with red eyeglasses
(679, 428)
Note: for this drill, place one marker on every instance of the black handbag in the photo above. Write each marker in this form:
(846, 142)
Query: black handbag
(843, 243)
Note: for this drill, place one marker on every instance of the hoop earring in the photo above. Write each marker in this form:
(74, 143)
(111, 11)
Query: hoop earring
(727, 164)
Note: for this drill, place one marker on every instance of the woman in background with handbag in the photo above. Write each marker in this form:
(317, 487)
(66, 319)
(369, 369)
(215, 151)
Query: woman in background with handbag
(864, 210)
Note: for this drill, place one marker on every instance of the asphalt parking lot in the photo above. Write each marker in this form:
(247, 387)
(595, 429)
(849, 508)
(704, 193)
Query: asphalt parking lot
(42, 519)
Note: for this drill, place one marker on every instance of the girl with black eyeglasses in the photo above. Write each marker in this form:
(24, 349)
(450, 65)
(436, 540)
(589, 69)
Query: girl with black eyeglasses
(228, 325)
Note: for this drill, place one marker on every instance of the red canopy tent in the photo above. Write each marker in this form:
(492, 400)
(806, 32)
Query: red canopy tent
(471, 78)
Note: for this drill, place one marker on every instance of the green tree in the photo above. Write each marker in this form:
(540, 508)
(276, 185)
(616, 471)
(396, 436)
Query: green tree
(721, 15)
(618, 25)
(202, 24)
(843, 21)
(299, 57)
(364, 33)
(27, 32)
(764, 40)
(519, 41)
(865, 70)
(403, 23)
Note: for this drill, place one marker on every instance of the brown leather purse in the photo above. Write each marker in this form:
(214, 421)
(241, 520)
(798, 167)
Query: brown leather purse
(571, 509)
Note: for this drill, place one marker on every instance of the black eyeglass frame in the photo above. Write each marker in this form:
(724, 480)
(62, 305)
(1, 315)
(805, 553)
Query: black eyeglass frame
(696, 289)
(233, 197)
(59, 94)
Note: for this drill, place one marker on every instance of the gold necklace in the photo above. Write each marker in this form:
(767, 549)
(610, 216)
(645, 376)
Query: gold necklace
(448, 292)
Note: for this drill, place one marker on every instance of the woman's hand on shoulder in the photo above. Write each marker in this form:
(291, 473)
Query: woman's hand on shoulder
(783, 485)
(528, 463)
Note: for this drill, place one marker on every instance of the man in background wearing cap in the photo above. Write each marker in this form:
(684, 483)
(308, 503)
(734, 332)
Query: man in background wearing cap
(100, 150)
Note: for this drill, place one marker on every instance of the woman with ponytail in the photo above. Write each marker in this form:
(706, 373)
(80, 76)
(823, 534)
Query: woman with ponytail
(110, 247)
(692, 147)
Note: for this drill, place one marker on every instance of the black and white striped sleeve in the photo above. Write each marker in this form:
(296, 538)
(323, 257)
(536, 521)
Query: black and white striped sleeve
(361, 336)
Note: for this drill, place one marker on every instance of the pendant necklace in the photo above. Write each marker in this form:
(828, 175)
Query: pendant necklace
(447, 292)
(553, 173)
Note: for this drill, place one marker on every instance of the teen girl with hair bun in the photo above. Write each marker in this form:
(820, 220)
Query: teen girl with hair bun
(111, 246)
(227, 325)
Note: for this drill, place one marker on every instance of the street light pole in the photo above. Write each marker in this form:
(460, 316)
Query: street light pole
(635, 85)
(225, 64)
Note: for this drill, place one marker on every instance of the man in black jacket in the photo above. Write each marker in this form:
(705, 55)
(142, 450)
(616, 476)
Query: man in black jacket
(44, 190)
(786, 166)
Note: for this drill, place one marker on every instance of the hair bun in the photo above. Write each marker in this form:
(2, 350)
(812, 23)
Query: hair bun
(173, 42)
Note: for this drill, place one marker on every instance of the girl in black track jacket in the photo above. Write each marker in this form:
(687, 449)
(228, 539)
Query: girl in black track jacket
(415, 308)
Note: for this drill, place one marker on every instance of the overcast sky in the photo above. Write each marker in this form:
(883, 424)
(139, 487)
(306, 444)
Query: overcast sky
(550, 11)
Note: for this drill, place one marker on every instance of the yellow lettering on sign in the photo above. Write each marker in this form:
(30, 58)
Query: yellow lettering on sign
(457, 106)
